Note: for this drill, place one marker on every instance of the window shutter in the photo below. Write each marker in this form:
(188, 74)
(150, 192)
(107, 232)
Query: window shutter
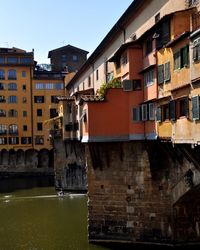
(198, 52)
(177, 60)
(144, 112)
(159, 114)
(186, 107)
(195, 108)
(172, 110)
(160, 74)
(151, 112)
(167, 75)
(185, 56)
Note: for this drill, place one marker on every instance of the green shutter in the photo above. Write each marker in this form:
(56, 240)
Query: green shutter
(195, 107)
(167, 75)
(185, 56)
(160, 74)
(195, 53)
(177, 60)
(172, 110)
(159, 114)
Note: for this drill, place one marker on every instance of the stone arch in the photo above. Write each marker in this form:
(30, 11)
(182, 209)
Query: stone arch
(4, 157)
(43, 158)
(31, 158)
(20, 158)
(12, 158)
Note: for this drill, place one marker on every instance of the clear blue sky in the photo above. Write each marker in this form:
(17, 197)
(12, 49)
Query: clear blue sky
(44, 25)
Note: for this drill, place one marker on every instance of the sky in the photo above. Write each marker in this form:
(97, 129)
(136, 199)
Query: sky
(44, 25)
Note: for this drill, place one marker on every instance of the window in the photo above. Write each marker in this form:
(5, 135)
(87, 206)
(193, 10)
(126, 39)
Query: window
(39, 140)
(59, 86)
(3, 140)
(2, 98)
(12, 86)
(151, 111)
(124, 59)
(192, 3)
(162, 34)
(39, 112)
(23, 73)
(163, 73)
(39, 86)
(39, 99)
(25, 60)
(26, 140)
(2, 74)
(181, 58)
(12, 75)
(74, 58)
(12, 113)
(2, 59)
(53, 99)
(12, 99)
(39, 126)
(24, 113)
(144, 112)
(148, 78)
(183, 107)
(53, 113)
(136, 114)
(195, 108)
(24, 99)
(166, 112)
(63, 58)
(69, 127)
(13, 140)
(12, 60)
(2, 113)
(13, 129)
(172, 110)
(25, 127)
(3, 129)
(137, 84)
(24, 87)
(2, 86)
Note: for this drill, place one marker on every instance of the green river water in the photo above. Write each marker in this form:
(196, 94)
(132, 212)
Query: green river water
(34, 218)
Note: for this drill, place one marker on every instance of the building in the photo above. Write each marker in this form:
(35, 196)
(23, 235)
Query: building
(67, 58)
(139, 89)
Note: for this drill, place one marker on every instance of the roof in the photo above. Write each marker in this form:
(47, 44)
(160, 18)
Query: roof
(65, 48)
(116, 29)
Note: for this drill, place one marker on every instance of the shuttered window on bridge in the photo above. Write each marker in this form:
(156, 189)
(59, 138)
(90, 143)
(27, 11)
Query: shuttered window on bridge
(167, 75)
(195, 108)
(161, 74)
(159, 114)
(172, 110)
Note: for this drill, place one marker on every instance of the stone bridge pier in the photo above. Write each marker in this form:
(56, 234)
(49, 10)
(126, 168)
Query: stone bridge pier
(143, 192)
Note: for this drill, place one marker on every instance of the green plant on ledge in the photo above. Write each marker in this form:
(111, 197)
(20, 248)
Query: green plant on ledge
(114, 83)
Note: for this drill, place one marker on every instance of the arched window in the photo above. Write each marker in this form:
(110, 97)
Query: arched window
(3, 129)
(12, 113)
(12, 99)
(12, 86)
(12, 74)
(13, 129)
(2, 98)
(2, 74)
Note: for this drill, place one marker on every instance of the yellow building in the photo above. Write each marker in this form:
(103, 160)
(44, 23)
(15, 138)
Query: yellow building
(16, 68)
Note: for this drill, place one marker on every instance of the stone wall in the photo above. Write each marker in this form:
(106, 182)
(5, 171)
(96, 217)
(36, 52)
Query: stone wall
(130, 189)
(69, 165)
(30, 162)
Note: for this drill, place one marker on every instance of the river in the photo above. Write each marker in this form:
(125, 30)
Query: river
(32, 217)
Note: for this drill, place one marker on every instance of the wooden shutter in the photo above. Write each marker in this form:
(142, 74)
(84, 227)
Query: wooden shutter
(186, 107)
(177, 60)
(160, 74)
(144, 112)
(195, 53)
(151, 112)
(185, 56)
(167, 75)
(195, 107)
(159, 114)
(172, 110)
